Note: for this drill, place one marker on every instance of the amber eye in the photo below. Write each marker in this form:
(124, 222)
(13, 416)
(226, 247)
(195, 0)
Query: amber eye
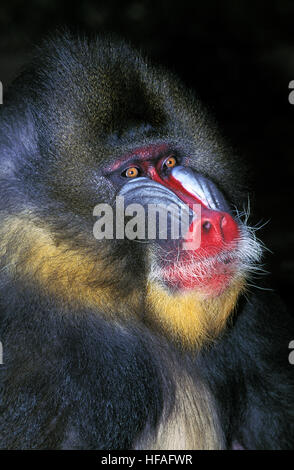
(132, 172)
(170, 162)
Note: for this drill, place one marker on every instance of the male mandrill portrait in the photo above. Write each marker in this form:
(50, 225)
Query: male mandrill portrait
(125, 343)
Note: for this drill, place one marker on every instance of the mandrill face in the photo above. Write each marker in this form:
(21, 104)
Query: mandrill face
(100, 123)
(205, 257)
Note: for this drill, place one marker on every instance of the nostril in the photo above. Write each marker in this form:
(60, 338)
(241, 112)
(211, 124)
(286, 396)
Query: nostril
(217, 228)
(206, 226)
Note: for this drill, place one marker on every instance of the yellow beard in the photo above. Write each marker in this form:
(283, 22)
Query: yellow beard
(189, 317)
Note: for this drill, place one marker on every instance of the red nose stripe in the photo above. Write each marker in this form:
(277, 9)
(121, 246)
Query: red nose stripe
(217, 228)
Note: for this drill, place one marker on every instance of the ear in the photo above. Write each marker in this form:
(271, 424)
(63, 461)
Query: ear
(17, 145)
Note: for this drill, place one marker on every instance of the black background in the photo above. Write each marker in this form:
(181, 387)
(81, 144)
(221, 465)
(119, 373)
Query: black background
(237, 55)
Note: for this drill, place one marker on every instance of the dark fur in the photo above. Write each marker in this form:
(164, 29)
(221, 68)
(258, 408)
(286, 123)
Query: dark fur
(71, 378)
(250, 373)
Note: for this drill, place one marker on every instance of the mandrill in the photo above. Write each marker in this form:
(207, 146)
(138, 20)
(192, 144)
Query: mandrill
(129, 342)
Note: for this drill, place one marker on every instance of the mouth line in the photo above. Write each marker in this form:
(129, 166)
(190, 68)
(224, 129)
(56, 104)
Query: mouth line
(210, 275)
(198, 259)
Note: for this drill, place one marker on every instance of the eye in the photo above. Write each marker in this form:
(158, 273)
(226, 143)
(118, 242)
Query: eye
(170, 162)
(131, 172)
